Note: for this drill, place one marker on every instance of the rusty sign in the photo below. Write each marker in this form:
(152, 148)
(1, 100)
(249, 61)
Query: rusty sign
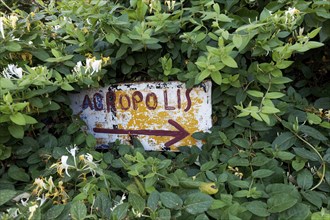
(162, 115)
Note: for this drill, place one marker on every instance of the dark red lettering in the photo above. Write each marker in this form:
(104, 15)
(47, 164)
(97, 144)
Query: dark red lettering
(188, 100)
(137, 97)
(179, 98)
(121, 103)
(151, 96)
(98, 101)
(167, 107)
(110, 101)
(87, 103)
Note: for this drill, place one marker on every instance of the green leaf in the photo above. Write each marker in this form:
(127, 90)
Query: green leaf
(229, 61)
(269, 110)
(18, 118)
(6, 195)
(306, 154)
(255, 93)
(78, 210)
(216, 77)
(90, 140)
(313, 197)
(66, 86)
(164, 214)
(242, 142)
(54, 211)
(297, 212)
(284, 141)
(274, 95)
(153, 199)
(120, 211)
(59, 59)
(172, 179)
(18, 174)
(262, 173)
(284, 155)
(305, 179)
(258, 208)
(313, 33)
(16, 131)
(298, 164)
(209, 165)
(137, 202)
(6, 83)
(202, 75)
(237, 161)
(237, 40)
(103, 205)
(30, 120)
(198, 203)
(312, 132)
(280, 202)
(13, 46)
(313, 119)
(171, 200)
(111, 38)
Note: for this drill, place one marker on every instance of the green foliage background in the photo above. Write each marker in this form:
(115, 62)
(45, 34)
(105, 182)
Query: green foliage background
(268, 150)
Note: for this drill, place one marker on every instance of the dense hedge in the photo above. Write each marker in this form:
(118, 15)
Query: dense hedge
(267, 155)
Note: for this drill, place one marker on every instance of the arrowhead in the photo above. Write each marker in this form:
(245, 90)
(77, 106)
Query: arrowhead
(180, 134)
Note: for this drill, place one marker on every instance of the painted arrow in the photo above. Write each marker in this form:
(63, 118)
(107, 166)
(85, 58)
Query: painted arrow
(178, 135)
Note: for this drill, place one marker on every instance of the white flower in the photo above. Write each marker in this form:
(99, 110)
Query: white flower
(290, 14)
(56, 27)
(32, 210)
(42, 199)
(77, 68)
(13, 19)
(73, 151)
(2, 31)
(40, 183)
(24, 201)
(65, 164)
(94, 65)
(12, 71)
(89, 157)
(13, 212)
(123, 197)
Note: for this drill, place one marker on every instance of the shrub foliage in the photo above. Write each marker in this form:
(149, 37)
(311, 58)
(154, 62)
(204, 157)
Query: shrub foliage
(267, 155)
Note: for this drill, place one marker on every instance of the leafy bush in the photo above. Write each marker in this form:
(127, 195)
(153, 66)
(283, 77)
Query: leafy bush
(266, 157)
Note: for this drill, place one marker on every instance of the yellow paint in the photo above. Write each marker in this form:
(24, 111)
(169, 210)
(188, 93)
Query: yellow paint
(144, 118)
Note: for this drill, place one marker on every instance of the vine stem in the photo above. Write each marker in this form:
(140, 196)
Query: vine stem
(4, 3)
(313, 148)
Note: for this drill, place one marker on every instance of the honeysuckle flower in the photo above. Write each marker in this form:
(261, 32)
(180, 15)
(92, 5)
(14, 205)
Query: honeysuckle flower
(73, 150)
(40, 183)
(123, 197)
(12, 71)
(93, 65)
(90, 165)
(13, 20)
(2, 31)
(24, 201)
(42, 199)
(32, 210)
(77, 68)
(64, 164)
(290, 14)
(13, 212)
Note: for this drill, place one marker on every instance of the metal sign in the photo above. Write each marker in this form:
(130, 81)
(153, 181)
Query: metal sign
(162, 115)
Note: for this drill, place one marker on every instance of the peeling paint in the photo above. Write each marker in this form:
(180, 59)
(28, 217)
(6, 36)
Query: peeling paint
(162, 115)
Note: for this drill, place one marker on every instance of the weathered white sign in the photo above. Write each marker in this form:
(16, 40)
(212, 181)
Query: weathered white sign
(162, 115)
